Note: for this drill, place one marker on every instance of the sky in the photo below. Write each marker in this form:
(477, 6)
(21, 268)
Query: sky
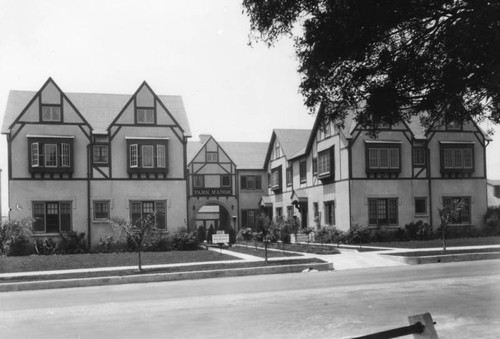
(198, 49)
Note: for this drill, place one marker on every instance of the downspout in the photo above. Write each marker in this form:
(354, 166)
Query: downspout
(89, 224)
(429, 179)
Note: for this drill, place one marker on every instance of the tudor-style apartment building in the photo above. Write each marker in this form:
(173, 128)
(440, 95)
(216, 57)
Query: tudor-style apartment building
(343, 176)
(77, 159)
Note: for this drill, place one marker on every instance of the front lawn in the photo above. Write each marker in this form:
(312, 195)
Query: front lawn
(175, 269)
(480, 241)
(94, 260)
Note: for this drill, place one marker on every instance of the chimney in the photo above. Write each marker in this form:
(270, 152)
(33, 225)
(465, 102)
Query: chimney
(204, 137)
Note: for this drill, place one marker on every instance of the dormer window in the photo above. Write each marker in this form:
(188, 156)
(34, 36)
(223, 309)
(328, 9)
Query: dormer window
(145, 115)
(51, 113)
(212, 157)
(453, 126)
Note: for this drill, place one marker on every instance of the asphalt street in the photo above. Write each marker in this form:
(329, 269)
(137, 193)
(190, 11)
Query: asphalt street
(463, 298)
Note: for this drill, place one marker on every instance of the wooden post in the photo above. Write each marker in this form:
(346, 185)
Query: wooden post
(426, 320)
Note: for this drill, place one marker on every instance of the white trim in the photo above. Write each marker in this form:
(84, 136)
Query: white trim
(382, 142)
(51, 136)
(147, 138)
(457, 142)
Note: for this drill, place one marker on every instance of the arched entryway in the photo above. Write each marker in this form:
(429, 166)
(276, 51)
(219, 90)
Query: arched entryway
(214, 215)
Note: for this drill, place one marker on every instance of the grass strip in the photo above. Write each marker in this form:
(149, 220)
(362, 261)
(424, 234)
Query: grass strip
(176, 269)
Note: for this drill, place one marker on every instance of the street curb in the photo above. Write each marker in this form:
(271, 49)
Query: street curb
(443, 258)
(160, 277)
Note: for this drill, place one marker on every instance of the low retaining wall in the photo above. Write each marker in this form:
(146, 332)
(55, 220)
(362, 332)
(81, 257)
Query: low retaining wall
(444, 258)
(159, 277)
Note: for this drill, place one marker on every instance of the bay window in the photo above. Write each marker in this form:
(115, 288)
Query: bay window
(50, 154)
(383, 157)
(457, 157)
(147, 155)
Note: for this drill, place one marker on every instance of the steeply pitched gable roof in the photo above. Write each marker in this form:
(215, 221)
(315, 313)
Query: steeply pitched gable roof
(98, 109)
(246, 155)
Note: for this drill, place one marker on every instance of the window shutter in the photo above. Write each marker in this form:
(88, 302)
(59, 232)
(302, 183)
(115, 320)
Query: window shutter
(467, 158)
(160, 156)
(35, 154)
(39, 217)
(161, 215)
(394, 158)
(373, 157)
(65, 155)
(65, 211)
(134, 156)
(244, 218)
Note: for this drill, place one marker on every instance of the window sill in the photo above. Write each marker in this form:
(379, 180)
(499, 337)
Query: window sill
(101, 221)
(39, 234)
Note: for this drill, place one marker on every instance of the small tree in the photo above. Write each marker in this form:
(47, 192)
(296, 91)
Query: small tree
(14, 237)
(137, 232)
(293, 226)
(447, 214)
(265, 225)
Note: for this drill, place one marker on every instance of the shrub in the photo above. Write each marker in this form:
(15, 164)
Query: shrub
(72, 243)
(211, 232)
(46, 246)
(202, 234)
(418, 230)
(158, 242)
(245, 234)
(15, 238)
(184, 241)
(491, 221)
(329, 235)
(358, 234)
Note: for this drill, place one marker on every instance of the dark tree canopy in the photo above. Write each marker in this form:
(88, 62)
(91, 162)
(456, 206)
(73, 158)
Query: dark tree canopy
(390, 59)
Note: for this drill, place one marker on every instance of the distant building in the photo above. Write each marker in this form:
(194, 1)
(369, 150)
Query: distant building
(227, 176)
(493, 192)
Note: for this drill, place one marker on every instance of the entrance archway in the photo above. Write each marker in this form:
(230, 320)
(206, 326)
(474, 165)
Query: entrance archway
(211, 216)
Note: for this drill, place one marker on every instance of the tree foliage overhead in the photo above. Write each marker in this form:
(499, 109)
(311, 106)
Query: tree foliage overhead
(390, 60)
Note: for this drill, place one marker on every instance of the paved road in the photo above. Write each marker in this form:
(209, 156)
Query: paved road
(464, 299)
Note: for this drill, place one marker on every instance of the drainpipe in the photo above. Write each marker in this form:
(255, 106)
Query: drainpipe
(89, 224)
(429, 181)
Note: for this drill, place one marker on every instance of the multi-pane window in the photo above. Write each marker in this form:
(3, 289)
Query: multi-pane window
(496, 190)
(325, 159)
(315, 165)
(147, 155)
(101, 210)
(464, 215)
(100, 154)
(453, 126)
(457, 157)
(421, 205)
(145, 115)
(226, 180)
(279, 212)
(324, 132)
(383, 158)
(303, 171)
(289, 176)
(277, 151)
(383, 211)
(330, 213)
(251, 182)
(419, 156)
(276, 178)
(198, 181)
(50, 154)
(51, 216)
(51, 113)
(289, 212)
(212, 157)
(139, 210)
(248, 218)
